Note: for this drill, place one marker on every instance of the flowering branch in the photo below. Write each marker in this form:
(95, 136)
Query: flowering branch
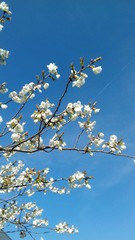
(48, 119)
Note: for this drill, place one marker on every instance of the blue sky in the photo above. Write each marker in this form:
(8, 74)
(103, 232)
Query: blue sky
(59, 31)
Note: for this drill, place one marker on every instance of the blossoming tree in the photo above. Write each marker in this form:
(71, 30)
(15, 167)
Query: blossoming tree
(16, 180)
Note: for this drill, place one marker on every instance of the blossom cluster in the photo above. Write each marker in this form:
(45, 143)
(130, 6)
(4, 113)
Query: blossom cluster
(43, 111)
(5, 9)
(114, 144)
(97, 140)
(57, 142)
(76, 110)
(52, 68)
(12, 177)
(3, 88)
(26, 182)
(63, 227)
(79, 179)
(78, 78)
(45, 116)
(26, 92)
(3, 55)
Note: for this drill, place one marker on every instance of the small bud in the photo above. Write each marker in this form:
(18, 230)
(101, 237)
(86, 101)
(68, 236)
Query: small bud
(82, 62)
(43, 74)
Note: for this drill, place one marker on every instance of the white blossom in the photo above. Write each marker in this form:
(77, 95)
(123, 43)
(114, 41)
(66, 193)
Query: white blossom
(46, 85)
(87, 109)
(52, 68)
(40, 222)
(101, 134)
(4, 7)
(57, 75)
(26, 89)
(123, 146)
(3, 88)
(41, 238)
(15, 137)
(3, 106)
(81, 125)
(78, 107)
(19, 128)
(69, 108)
(96, 110)
(3, 55)
(97, 70)
(57, 142)
(11, 124)
(1, 27)
(89, 126)
(79, 80)
(1, 119)
(30, 192)
(64, 228)
(77, 176)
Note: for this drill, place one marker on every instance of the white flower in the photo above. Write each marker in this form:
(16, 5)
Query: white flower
(40, 222)
(4, 7)
(13, 94)
(96, 110)
(101, 134)
(113, 138)
(3, 88)
(3, 55)
(56, 142)
(46, 170)
(1, 27)
(19, 128)
(87, 109)
(26, 89)
(69, 108)
(91, 125)
(79, 81)
(52, 68)
(63, 227)
(46, 85)
(3, 106)
(57, 75)
(88, 186)
(123, 146)
(41, 238)
(98, 141)
(97, 70)
(1, 119)
(46, 104)
(28, 205)
(81, 125)
(78, 175)
(32, 95)
(78, 107)
(30, 192)
(15, 137)
(12, 123)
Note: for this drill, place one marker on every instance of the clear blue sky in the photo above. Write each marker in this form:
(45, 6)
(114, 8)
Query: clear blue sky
(60, 31)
